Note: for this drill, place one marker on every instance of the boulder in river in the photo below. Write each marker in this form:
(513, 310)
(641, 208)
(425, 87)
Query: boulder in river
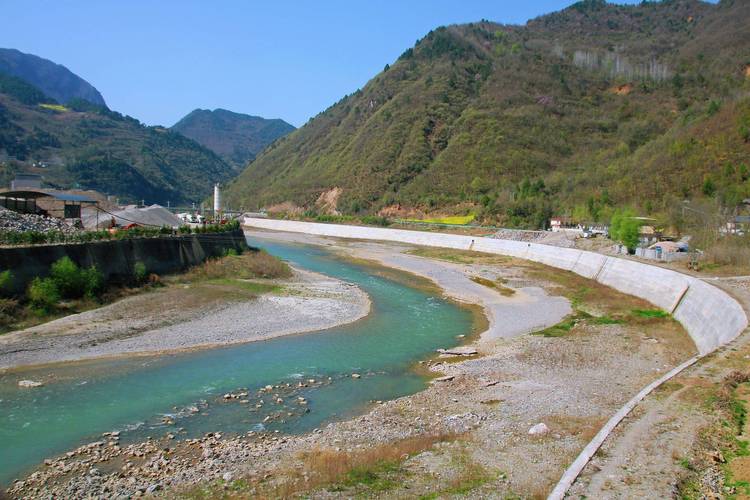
(29, 383)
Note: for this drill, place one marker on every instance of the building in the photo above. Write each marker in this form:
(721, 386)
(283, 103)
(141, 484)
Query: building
(26, 181)
(50, 203)
(558, 224)
(739, 225)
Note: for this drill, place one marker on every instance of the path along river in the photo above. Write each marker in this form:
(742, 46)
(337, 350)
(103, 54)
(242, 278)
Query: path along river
(154, 395)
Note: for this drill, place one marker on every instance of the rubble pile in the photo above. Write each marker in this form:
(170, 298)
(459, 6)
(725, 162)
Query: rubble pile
(14, 221)
(558, 239)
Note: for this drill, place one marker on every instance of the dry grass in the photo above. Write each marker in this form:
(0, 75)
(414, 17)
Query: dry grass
(732, 253)
(249, 265)
(495, 285)
(375, 469)
(584, 428)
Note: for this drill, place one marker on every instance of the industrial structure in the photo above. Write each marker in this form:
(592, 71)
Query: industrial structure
(51, 203)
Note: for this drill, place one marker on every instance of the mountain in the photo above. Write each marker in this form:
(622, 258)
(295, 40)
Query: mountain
(236, 137)
(577, 112)
(55, 80)
(81, 145)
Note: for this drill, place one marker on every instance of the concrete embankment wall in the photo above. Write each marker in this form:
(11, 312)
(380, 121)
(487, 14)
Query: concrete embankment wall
(116, 259)
(710, 316)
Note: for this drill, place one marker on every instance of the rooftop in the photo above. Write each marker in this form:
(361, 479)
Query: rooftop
(58, 195)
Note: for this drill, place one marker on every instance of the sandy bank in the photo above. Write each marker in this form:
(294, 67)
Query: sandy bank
(529, 309)
(155, 323)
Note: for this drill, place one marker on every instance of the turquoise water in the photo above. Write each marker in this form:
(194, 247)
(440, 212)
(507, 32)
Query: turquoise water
(134, 394)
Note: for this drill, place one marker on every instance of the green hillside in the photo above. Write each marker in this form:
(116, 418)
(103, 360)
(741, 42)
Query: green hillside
(576, 112)
(86, 146)
(236, 137)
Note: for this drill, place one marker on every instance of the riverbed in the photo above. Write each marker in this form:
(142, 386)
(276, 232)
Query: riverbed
(153, 396)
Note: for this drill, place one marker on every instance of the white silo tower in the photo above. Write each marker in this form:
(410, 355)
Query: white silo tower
(217, 199)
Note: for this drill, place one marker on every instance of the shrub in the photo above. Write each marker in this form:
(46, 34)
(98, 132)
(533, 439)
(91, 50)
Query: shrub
(93, 281)
(6, 282)
(8, 312)
(140, 273)
(73, 282)
(374, 220)
(43, 293)
(68, 278)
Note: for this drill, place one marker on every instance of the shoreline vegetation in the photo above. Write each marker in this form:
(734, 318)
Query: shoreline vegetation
(175, 312)
(69, 289)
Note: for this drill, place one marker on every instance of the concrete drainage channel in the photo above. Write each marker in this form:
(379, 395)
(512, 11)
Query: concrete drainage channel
(711, 317)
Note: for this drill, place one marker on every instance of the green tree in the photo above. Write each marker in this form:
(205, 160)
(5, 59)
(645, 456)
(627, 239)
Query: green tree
(625, 228)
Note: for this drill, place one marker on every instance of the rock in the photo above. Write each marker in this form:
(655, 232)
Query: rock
(151, 489)
(356, 375)
(538, 430)
(227, 477)
(459, 351)
(447, 378)
(491, 383)
(29, 383)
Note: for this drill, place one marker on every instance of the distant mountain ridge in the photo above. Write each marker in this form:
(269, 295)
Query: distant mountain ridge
(55, 80)
(236, 137)
(85, 146)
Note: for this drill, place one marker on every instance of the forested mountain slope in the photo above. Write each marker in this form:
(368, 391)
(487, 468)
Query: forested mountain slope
(90, 147)
(576, 112)
(236, 137)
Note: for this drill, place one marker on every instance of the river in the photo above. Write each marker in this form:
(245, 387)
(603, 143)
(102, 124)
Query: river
(153, 395)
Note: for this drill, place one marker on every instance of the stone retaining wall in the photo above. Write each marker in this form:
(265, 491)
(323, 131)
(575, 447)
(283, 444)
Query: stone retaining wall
(116, 258)
(711, 317)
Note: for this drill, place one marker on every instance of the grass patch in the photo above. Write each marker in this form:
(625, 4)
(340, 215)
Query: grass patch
(606, 320)
(460, 256)
(650, 313)
(726, 437)
(495, 285)
(565, 326)
(559, 330)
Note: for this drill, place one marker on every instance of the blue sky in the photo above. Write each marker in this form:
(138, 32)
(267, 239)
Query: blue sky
(159, 60)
